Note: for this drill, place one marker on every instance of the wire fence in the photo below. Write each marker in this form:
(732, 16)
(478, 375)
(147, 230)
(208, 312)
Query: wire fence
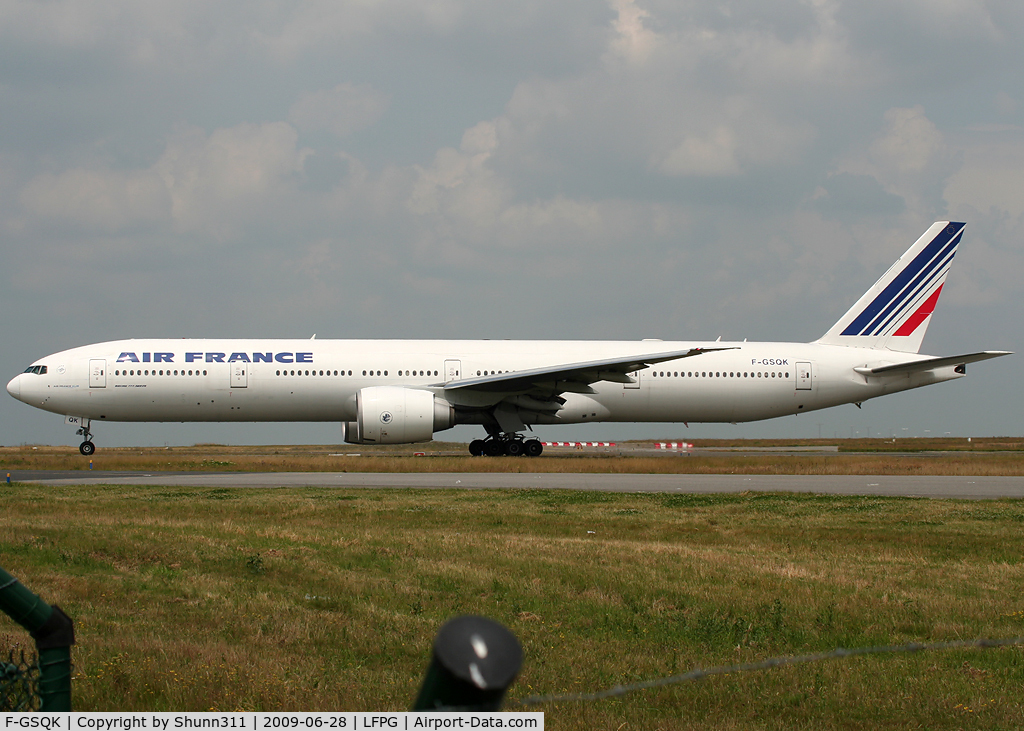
(19, 682)
(774, 662)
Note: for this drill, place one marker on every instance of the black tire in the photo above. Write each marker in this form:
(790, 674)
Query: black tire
(514, 448)
(476, 447)
(493, 448)
(534, 448)
(87, 448)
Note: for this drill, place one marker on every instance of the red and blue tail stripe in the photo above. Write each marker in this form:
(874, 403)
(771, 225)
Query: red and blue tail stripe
(895, 312)
(916, 280)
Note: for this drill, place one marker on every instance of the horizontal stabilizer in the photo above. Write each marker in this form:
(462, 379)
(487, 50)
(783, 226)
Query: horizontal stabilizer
(928, 364)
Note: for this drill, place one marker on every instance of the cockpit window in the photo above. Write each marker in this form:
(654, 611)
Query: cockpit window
(39, 369)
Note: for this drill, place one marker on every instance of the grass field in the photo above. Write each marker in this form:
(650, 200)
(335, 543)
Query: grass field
(313, 599)
(1002, 456)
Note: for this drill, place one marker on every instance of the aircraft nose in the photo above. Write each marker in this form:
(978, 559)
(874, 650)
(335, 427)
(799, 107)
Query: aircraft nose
(14, 387)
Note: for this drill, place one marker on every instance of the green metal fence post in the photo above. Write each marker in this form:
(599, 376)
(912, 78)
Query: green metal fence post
(54, 634)
(474, 662)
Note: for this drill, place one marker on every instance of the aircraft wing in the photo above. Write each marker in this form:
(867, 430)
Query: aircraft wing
(572, 377)
(928, 364)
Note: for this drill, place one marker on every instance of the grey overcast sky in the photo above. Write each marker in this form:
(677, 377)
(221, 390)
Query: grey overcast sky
(512, 169)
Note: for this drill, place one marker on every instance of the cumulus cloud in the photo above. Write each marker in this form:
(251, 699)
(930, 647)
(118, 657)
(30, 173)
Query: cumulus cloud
(460, 180)
(909, 143)
(910, 159)
(98, 199)
(714, 154)
(992, 175)
(214, 185)
(220, 182)
(345, 109)
(632, 40)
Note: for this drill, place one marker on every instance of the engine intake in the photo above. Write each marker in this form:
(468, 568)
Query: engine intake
(397, 415)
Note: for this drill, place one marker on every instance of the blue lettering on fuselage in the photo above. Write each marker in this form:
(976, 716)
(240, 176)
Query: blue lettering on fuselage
(193, 357)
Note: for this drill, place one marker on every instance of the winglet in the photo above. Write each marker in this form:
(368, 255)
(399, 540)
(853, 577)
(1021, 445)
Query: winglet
(895, 313)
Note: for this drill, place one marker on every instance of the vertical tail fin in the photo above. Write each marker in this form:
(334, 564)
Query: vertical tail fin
(894, 314)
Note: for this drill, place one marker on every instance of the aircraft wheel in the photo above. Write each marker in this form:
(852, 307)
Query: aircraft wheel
(87, 448)
(476, 447)
(534, 448)
(493, 448)
(514, 448)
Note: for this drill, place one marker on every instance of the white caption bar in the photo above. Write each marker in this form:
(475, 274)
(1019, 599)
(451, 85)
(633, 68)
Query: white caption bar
(268, 721)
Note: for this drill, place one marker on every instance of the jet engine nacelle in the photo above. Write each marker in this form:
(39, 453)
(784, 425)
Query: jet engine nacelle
(397, 415)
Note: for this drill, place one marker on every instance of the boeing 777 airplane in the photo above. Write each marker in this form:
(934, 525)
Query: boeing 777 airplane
(403, 391)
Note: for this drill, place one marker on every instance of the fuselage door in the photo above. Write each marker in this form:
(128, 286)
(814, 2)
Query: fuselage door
(97, 373)
(239, 374)
(803, 377)
(635, 375)
(452, 370)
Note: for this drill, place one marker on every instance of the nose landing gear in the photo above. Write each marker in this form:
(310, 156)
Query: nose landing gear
(511, 445)
(87, 448)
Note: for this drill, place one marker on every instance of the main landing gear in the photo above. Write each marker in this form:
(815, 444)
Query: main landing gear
(511, 445)
(87, 448)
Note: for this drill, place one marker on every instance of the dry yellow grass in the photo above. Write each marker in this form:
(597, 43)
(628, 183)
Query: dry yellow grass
(918, 457)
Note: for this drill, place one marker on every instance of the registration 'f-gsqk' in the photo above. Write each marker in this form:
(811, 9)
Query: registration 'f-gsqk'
(404, 391)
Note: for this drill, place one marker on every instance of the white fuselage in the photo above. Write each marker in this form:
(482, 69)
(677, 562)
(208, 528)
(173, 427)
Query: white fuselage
(317, 380)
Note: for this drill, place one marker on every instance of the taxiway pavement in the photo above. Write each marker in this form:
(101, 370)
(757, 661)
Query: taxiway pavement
(887, 485)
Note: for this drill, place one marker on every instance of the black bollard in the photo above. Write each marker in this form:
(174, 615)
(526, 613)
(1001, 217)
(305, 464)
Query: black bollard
(475, 660)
